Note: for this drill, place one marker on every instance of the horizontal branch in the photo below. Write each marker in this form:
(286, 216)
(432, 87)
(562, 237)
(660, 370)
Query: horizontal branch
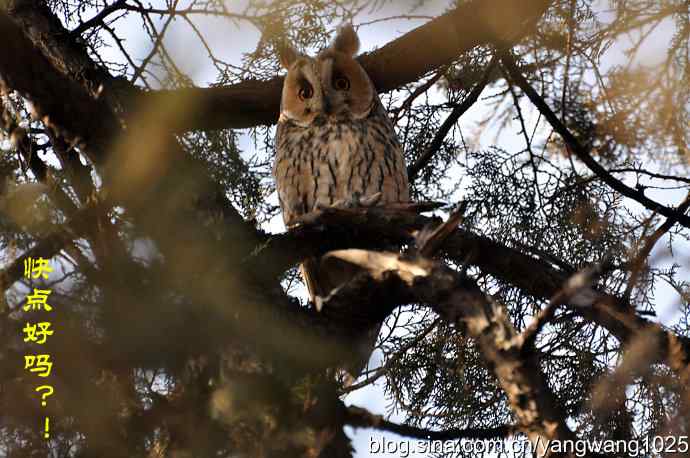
(402, 61)
(368, 228)
(121, 5)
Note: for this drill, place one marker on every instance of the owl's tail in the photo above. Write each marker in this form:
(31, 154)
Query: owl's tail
(310, 274)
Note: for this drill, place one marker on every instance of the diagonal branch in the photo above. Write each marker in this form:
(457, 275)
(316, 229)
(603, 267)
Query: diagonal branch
(583, 154)
(436, 143)
(77, 116)
(459, 301)
(574, 290)
(99, 18)
(382, 370)
(638, 263)
(67, 55)
(63, 104)
(77, 226)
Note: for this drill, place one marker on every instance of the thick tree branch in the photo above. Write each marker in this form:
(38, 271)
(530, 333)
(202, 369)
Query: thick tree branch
(61, 103)
(91, 120)
(402, 61)
(69, 56)
(102, 235)
(252, 103)
(367, 228)
(167, 193)
(163, 190)
(29, 151)
(80, 118)
(459, 301)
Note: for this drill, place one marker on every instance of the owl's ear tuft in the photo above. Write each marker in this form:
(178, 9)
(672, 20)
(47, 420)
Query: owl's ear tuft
(346, 41)
(286, 54)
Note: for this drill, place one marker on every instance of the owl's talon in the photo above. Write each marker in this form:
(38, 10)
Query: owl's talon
(370, 201)
(357, 201)
(353, 201)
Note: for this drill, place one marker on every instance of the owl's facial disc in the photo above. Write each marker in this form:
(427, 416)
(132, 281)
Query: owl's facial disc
(331, 88)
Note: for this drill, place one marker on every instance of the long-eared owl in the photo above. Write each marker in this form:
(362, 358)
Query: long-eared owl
(334, 140)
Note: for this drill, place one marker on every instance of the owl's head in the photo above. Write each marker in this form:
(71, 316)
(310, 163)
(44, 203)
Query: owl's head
(331, 87)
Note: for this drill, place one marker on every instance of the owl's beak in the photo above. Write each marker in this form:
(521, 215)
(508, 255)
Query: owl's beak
(327, 106)
(326, 111)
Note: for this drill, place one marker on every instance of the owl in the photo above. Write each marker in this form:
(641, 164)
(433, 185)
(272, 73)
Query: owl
(334, 142)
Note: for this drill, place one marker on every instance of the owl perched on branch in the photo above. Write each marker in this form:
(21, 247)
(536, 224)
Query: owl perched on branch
(335, 143)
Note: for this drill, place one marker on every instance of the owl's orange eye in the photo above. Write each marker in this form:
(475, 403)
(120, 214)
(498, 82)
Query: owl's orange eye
(341, 83)
(306, 92)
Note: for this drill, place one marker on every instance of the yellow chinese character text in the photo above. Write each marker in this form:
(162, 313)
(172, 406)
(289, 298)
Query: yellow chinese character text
(38, 363)
(38, 332)
(35, 268)
(38, 300)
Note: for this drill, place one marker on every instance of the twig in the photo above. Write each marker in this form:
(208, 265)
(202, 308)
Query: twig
(52, 244)
(650, 174)
(575, 286)
(190, 11)
(381, 371)
(430, 242)
(139, 70)
(528, 144)
(419, 91)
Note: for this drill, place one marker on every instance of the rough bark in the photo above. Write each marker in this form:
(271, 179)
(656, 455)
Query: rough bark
(457, 299)
(363, 228)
